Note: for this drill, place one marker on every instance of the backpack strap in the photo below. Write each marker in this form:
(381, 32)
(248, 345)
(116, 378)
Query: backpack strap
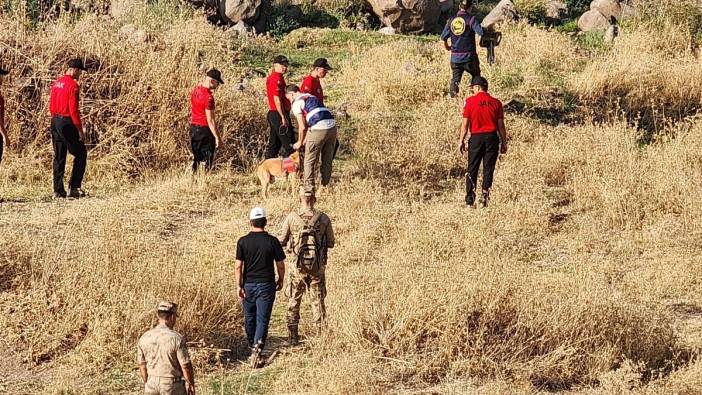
(314, 219)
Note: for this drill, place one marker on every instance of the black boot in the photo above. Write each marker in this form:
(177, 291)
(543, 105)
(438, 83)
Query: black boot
(293, 336)
(485, 198)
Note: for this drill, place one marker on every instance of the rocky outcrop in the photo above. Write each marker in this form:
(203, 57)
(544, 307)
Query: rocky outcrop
(608, 8)
(593, 20)
(408, 16)
(556, 11)
(504, 11)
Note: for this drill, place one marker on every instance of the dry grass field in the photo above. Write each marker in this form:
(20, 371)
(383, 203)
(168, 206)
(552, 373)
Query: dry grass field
(584, 275)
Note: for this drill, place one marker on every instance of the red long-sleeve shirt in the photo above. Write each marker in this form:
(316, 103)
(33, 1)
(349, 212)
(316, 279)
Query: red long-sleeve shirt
(65, 99)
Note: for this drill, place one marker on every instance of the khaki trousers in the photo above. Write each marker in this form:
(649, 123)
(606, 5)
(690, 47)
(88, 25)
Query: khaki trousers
(319, 147)
(299, 283)
(164, 386)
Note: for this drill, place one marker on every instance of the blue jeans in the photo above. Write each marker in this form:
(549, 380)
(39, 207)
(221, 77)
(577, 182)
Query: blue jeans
(258, 306)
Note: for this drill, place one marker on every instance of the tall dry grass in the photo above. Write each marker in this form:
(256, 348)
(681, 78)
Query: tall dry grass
(582, 276)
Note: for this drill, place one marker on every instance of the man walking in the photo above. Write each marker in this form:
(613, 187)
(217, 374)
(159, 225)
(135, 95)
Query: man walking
(461, 30)
(164, 362)
(204, 137)
(282, 134)
(309, 234)
(256, 255)
(4, 141)
(317, 133)
(67, 133)
(311, 84)
(484, 117)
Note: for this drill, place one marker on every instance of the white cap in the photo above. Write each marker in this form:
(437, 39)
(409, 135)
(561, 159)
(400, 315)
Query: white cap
(257, 212)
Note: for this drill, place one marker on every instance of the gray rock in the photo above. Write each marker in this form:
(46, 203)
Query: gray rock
(241, 10)
(504, 11)
(608, 8)
(133, 35)
(241, 28)
(388, 30)
(628, 11)
(121, 8)
(556, 10)
(592, 20)
(408, 16)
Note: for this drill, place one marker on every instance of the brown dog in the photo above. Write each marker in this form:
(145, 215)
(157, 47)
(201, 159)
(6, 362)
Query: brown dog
(273, 168)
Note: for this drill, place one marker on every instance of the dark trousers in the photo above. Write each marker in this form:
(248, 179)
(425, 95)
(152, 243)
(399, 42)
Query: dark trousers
(2, 143)
(485, 148)
(202, 142)
(281, 139)
(258, 306)
(472, 66)
(65, 138)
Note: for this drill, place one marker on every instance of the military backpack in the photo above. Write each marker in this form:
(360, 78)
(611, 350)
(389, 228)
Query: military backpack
(309, 247)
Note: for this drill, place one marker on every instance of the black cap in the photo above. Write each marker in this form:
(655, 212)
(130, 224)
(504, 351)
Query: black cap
(76, 64)
(480, 81)
(215, 75)
(3, 71)
(281, 59)
(323, 63)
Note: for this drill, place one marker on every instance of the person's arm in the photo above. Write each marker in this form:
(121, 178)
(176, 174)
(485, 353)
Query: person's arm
(285, 232)
(445, 34)
(465, 127)
(141, 360)
(281, 111)
(302, 131)
(3, 133)
(74, 110)
(213, 126)
(280, 267)
(189, 375)
(329, 235)
(239, 275)
(502, 131)
(478, 27)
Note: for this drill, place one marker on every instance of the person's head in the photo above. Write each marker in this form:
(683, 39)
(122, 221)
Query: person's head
(280, 64)
(3, 73)
(465, 5)
(292, 92)
(320, 68)
(307, 198)
(257, 218)
(75, 68)
(478, 84)
(167, 313)
(213, 79)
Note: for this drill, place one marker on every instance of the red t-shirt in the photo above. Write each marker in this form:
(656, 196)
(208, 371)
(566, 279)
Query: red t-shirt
(483, 111)
(312, 86)
(201, 99)
(64, 99)
(275, 86)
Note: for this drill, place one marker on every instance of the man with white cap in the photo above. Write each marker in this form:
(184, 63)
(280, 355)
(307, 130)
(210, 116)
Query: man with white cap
(258, 256)
(164, 362)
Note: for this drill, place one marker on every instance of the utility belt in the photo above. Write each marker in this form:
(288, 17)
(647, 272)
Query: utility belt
(168, 379)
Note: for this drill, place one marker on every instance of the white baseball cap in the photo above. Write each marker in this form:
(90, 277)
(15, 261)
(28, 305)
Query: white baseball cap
(257, 212)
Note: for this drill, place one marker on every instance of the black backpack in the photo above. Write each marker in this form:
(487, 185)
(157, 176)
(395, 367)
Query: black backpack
(309, 247)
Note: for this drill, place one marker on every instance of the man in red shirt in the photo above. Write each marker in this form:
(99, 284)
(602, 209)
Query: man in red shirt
(282, 134)
(204, 137)
(67, 133)
(484, 117)
(311, 84)
(3, 133)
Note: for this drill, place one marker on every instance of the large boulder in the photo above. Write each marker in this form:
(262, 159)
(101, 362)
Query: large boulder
(628, 11)
(408, 16)
(504, 11)
(608, 8)
(556, 10)
(252, 12)
(593, 20)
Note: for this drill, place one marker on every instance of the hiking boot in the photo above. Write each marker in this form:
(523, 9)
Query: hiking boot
(470, 200)
(59, 195)
(293, 336)
(76, 193)
(485, 199)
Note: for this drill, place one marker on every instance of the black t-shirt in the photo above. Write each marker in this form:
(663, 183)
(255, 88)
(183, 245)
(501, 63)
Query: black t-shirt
(259, 251)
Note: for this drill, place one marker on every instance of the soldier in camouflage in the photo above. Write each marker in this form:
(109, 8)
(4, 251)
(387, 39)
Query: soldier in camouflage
(300, 280)
(164, 362)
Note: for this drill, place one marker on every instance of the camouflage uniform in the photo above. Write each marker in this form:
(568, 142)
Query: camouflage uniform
(299, 282)
(164, 352)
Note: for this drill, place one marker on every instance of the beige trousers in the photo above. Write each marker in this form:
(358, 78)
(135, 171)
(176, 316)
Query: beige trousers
(164, 386)
(319, 154)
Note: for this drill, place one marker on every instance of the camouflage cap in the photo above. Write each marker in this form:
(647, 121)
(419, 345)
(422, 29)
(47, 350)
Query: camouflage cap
(168, 307)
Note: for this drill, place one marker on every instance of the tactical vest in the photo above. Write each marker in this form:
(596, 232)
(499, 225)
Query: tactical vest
(462, 37)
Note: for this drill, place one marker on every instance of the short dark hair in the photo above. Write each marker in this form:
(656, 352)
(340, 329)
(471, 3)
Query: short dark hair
(465, 4)
(164, 315)
(259, 222)
(292, 88)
